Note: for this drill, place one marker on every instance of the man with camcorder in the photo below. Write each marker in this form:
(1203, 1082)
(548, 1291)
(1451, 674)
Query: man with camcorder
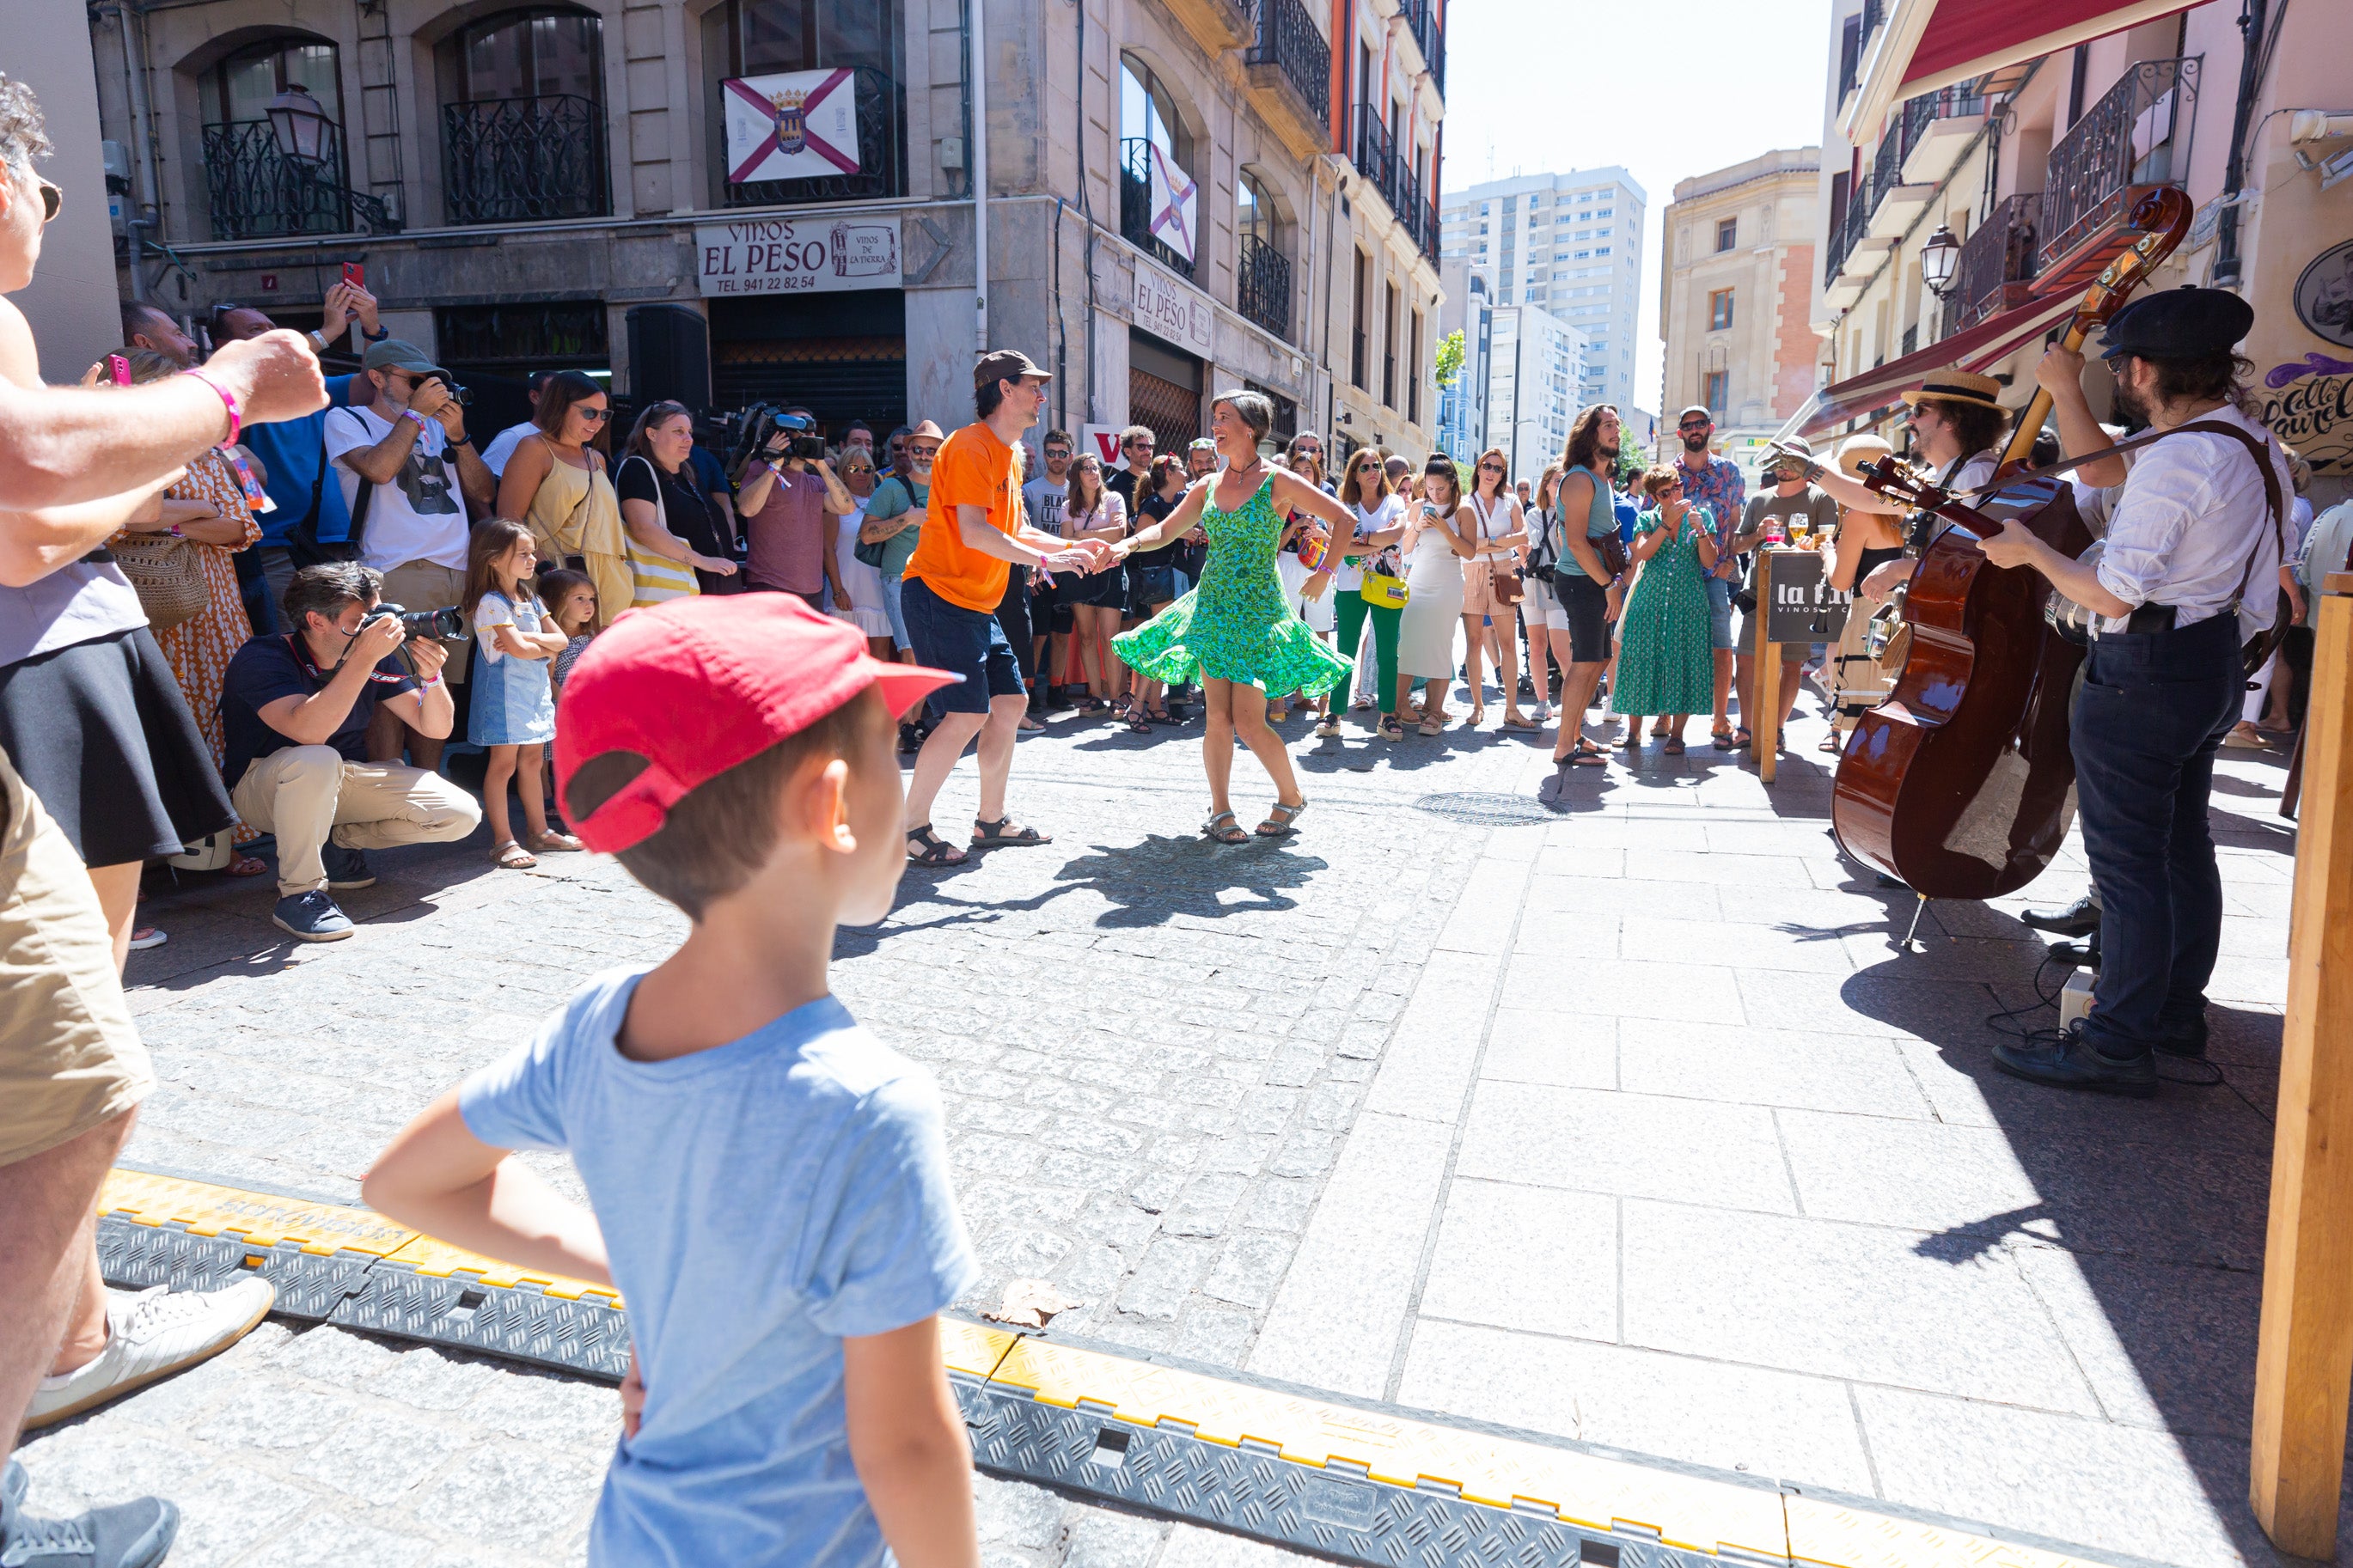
(786, 493)
(297, 708)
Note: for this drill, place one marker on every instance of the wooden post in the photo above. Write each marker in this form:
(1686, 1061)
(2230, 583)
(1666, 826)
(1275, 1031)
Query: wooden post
(2303, 1359)
(1765, 727)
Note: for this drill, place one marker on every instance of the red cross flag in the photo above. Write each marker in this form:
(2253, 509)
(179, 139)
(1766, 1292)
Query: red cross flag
(794, 125)
(1172, 205)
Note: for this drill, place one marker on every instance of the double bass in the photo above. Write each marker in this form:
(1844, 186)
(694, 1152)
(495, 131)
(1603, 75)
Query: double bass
(1961, 785)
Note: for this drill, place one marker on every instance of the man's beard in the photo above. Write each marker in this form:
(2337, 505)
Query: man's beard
(1608, 456)
(2129, 406)
(1696, 443)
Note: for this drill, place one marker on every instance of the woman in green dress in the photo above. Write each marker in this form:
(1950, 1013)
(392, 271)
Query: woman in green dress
(1236, 633)
(1664, 662)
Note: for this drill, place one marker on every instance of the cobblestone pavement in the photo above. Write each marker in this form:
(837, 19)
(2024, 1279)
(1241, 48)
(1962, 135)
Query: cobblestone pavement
(1150, 1047)
(1605, 1109)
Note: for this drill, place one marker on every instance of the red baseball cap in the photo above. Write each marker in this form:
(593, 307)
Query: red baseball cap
(700, 685)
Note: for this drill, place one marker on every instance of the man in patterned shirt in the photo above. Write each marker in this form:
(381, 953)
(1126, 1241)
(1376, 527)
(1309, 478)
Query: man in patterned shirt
(1714, 483)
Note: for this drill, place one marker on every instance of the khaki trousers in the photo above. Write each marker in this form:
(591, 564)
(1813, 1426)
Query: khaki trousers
(306, 794)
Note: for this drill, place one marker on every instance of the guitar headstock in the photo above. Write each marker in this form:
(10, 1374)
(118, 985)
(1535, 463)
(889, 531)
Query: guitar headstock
(1894, 477)
(2161, 217)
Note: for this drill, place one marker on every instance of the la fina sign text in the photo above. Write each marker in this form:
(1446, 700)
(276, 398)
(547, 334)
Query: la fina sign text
(778, 256)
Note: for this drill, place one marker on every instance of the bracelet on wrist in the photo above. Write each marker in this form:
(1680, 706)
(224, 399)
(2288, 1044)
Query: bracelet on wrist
(376, 336)
(228, 401)
(427, 683)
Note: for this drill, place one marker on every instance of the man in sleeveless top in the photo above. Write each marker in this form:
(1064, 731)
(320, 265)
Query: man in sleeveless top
(2192, 550)
(1585, 514)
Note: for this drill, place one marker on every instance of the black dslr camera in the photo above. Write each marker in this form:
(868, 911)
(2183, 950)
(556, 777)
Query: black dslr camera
(448, 624)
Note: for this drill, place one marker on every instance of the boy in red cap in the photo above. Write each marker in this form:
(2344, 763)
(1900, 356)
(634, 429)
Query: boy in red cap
(769, 1183)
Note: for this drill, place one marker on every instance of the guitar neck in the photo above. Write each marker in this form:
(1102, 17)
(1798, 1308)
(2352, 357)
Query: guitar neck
(2038, 408)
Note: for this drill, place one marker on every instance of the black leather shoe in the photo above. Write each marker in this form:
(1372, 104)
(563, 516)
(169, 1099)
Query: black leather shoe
(2077, 954)
(2081, 917)
(2188, 1043)
(2072, 1062)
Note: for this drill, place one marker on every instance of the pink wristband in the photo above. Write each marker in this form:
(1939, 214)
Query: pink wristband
(228, 401)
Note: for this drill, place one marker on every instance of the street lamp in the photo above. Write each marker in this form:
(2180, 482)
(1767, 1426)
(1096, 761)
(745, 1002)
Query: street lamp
(1939, 259)
(298, 124)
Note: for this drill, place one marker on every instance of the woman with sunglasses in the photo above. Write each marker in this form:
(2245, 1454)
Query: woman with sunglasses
(1500, 533)
(1665, 658)
(1380, 523)
(556, 486)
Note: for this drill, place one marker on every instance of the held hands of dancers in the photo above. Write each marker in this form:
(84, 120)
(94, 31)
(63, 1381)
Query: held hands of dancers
(1084, 555)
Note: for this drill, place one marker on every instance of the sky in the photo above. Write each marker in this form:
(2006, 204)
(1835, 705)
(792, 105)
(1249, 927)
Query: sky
(1669, 90)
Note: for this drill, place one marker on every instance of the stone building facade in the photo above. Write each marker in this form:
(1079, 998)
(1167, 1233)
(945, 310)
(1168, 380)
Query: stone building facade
(1182, 194)
(1736, 284)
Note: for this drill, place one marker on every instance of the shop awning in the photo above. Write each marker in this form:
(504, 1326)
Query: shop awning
(1925, 45)
(1977, 348)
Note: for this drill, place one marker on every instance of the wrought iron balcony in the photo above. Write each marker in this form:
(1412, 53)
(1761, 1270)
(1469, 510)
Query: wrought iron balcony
(2137, 135)
(1421, 17)
(1430, 222)
(1997, 261)
(514, 160)
(881, 171)
(1262, 286)
(1375, 157)
(255, 192)
(1135, 207)
(1854, 224)
(1289, 47)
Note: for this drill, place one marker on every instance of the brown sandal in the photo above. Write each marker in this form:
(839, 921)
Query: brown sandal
(512, 857)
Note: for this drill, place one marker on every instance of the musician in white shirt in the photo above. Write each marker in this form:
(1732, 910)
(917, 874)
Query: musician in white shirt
(2191, 558)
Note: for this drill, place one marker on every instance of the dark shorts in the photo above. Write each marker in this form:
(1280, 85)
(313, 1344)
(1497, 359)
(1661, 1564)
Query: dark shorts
(100, 731)
(1587, 603)
(969, 642)
(1104, 590)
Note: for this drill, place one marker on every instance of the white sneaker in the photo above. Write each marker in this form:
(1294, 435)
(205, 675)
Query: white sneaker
(1543, 714)
(152, 1333)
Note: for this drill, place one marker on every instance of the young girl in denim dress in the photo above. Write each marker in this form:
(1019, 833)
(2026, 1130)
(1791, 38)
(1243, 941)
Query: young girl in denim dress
(512, 705)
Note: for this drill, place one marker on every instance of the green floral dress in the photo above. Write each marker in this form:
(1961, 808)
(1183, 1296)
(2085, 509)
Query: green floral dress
(1665, 665)
(1238, 624)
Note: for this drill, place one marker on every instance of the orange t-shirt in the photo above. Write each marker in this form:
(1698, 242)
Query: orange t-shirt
(974, 469)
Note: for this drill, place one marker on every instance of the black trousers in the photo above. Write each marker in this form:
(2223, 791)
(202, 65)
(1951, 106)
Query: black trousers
(1013, 615)
(2150, 714)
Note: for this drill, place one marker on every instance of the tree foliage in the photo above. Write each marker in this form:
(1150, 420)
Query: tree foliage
(1449, 357)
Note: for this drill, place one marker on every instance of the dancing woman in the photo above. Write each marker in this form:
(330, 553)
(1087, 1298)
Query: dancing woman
(1236, 632)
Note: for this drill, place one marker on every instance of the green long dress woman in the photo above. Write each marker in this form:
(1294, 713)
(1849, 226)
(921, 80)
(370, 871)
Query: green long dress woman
(1236, 633)
(1665, 665)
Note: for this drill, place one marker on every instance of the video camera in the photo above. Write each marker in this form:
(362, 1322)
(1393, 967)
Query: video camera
(766, 428)
(448, 624)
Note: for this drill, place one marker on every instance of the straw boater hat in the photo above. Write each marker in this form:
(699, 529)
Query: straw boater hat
(1857, 450)
(1954, 385)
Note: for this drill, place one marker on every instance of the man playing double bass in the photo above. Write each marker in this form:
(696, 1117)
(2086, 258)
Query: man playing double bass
(2193, 526)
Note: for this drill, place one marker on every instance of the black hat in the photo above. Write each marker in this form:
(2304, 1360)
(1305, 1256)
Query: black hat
(2188, 322)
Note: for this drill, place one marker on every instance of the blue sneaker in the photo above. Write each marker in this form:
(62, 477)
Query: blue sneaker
(311, 916)
(136, 1535)
(346, 868)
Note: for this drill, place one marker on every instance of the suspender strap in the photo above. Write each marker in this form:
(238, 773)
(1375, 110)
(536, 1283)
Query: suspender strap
(2261, 452)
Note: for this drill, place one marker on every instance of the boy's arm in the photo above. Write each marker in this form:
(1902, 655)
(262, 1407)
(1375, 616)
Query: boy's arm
(908, 1443)
(441, 1179)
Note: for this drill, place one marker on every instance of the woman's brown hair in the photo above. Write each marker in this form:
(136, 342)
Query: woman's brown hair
(1352, 489)
(563, 389)
(1655, 479)
(1442, 466)
(1073, 499)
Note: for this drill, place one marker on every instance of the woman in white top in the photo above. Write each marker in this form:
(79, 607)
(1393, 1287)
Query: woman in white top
(858, 587)
(1438, 540)
(1499, 533)
(1540, 612)
(1380, 523)
(1094, 510)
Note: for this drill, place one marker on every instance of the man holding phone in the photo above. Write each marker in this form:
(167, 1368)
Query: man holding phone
(408, 475)
(784, 495)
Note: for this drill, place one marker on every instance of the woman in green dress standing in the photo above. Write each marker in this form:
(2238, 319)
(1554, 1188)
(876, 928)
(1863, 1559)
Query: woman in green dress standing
(1665, 665)
(1236, 633)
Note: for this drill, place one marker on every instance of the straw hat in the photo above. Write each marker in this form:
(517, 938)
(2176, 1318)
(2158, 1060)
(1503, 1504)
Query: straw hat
(1856, 451)
(1954, 385)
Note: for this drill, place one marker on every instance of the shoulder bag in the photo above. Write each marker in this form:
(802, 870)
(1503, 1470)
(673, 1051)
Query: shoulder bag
(166, 573)
(1503, 576)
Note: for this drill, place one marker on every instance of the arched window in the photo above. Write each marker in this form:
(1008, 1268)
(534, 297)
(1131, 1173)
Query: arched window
(523, 119)
(1157, 210)
(256, 186)
(1254, 212)
(1262, 271)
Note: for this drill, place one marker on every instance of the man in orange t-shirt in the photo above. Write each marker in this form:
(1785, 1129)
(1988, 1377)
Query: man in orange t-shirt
(973, 534)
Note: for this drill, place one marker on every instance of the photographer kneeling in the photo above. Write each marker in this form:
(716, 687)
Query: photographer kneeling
(296, 709)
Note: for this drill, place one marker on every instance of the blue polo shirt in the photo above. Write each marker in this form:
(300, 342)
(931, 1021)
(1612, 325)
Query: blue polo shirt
(295, 452)
(268, 668)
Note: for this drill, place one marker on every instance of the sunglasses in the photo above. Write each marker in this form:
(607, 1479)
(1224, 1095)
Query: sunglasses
(1053, 452)
(859, 469)
(594, 416)
(1698, 425)
(1143, 446)
(922, 451)
(1491, 468)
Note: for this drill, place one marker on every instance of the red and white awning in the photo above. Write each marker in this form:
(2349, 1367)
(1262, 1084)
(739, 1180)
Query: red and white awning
(1927, 44)
(1977, 348)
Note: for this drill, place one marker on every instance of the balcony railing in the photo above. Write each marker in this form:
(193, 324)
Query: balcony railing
(1262, 286)
(1997, 258)
(1962, 103)
(1857, 222)
(1136, 205)
(1856, 44)
(2137, 135)
(1429, 233)
(1287, 40)
(514, 160)
(257, 192)
(1421, 17)
(881, 155)
(1376, 159)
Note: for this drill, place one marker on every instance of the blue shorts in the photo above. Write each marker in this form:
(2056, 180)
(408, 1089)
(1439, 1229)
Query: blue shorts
(893, 587)
(968, 642)
(1719, 614)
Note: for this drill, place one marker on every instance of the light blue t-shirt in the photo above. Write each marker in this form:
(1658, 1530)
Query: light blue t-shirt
(760, 1201)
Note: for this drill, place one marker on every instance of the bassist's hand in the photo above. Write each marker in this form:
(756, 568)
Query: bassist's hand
(2013, 546)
